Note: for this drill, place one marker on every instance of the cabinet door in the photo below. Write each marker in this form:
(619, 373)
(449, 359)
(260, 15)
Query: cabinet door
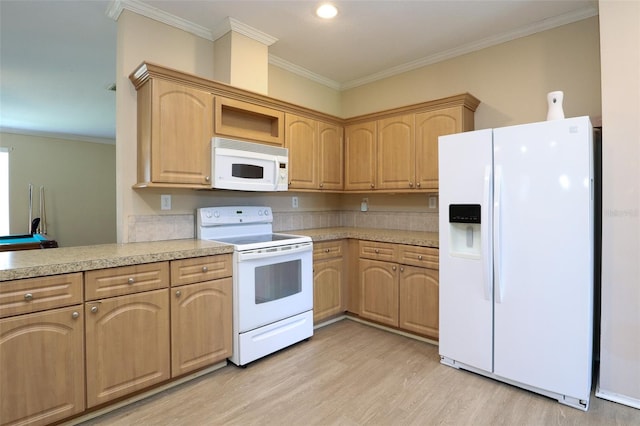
(429, 126)
(360, 156)
(127, 344)
(396, 153)
(41, 367)
(331, 156)
(379, 291)
(302, 141)
(201, 325)
(327, 289)
(419, 300)
(181, 131)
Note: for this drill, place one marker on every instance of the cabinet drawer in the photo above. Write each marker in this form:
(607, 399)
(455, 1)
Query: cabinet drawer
(198, 269)
(328, 250)
(126, 280)
(378, 251)
(38, 294)
(426, 257)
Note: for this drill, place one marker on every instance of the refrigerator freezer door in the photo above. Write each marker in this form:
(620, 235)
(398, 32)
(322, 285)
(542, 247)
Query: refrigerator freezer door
(466, 315)
(543, 218)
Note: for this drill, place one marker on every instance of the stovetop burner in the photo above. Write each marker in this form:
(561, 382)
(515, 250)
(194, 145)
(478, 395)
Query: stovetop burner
(252, 239)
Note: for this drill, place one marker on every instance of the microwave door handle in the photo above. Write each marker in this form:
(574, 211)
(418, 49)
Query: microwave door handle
(275, 173)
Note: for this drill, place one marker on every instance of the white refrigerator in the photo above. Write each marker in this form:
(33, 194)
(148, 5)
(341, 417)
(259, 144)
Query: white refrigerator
(516, 256)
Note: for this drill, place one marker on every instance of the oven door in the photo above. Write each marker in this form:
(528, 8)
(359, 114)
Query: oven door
(272, 284)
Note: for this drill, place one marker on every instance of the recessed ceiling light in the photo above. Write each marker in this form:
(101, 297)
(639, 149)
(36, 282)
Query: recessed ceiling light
(327, 11)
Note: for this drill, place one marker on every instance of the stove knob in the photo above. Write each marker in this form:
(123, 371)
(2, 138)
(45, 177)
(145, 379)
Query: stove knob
(266, 212)
(207, 214)
(260, 213)
(216, 213)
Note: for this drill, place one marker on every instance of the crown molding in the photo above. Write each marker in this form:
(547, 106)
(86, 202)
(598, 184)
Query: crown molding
(231, 24)
(537, 27)
(303, 72)
(54, 135)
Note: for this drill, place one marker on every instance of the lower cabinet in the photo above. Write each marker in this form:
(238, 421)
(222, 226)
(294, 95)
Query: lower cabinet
(42, 366)
(399, 286)
(201, 325)
(127, 344)
(328, 280)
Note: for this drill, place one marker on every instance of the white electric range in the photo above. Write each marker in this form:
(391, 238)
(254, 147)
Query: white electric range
(272, 279)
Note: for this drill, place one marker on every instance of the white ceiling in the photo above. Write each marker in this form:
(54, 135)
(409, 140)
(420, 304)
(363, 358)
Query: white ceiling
(58, 56)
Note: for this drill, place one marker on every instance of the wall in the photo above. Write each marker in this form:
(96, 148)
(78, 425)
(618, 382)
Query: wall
(79, 183)
(620, 328)
(511, 79)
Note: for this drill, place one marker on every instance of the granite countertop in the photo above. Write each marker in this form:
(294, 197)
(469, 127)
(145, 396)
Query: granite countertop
(415, 238)
(36, 263)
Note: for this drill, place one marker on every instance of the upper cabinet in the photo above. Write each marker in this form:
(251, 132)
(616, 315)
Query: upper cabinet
(174, 120)
(393, 151)
(245, 120)
(316, 154)
(360, 156)
(429, 126)
(397, 150)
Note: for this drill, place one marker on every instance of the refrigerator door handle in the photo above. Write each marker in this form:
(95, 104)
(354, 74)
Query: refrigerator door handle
(497, 226)
(486, 233)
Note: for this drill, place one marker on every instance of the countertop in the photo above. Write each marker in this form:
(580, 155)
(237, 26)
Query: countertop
(36, 263)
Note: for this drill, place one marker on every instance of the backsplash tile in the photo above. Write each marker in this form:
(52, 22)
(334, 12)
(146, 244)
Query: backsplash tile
(176, 227)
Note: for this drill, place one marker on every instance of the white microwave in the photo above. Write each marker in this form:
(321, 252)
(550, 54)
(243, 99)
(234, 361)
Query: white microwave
(248, 166)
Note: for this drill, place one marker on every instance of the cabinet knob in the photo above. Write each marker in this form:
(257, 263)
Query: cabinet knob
(131, 280)
(402, 269)
(28, 297)
(420, 257)
(75, 315)
(94, 309)
(205, 269)
(289, 182)
(372, 185)
(418, 184)
(394, 267)
(207, 178)
(327, 250)
(321, 184)
(377, 251)
(410, 184)
(178, 293)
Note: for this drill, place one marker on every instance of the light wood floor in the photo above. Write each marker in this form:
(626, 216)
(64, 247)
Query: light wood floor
(353, 374)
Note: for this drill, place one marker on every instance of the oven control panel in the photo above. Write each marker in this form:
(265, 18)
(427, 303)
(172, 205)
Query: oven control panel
(229, 215)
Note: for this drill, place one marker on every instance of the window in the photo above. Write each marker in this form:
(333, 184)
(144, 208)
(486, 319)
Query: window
(4, 191)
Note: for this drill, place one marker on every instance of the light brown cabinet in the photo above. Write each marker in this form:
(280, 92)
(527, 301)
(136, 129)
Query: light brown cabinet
(175, 126)
(316, 153)
(201, 312)
(396, 153)
(127, 343)
(429, 126)
(245, 120)
(328, 280)
(42, 366)
(399, 286)
(360, 156)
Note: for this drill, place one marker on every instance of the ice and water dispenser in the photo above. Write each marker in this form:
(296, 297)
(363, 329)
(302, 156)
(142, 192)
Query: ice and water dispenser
(464, 230)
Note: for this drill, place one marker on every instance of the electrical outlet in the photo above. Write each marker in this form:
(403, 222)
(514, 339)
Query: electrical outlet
(364, 205)
(433, 202)
(165, 202)
(294, 202)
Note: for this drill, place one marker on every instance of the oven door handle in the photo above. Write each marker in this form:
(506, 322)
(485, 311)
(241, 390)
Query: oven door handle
(263, 254)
